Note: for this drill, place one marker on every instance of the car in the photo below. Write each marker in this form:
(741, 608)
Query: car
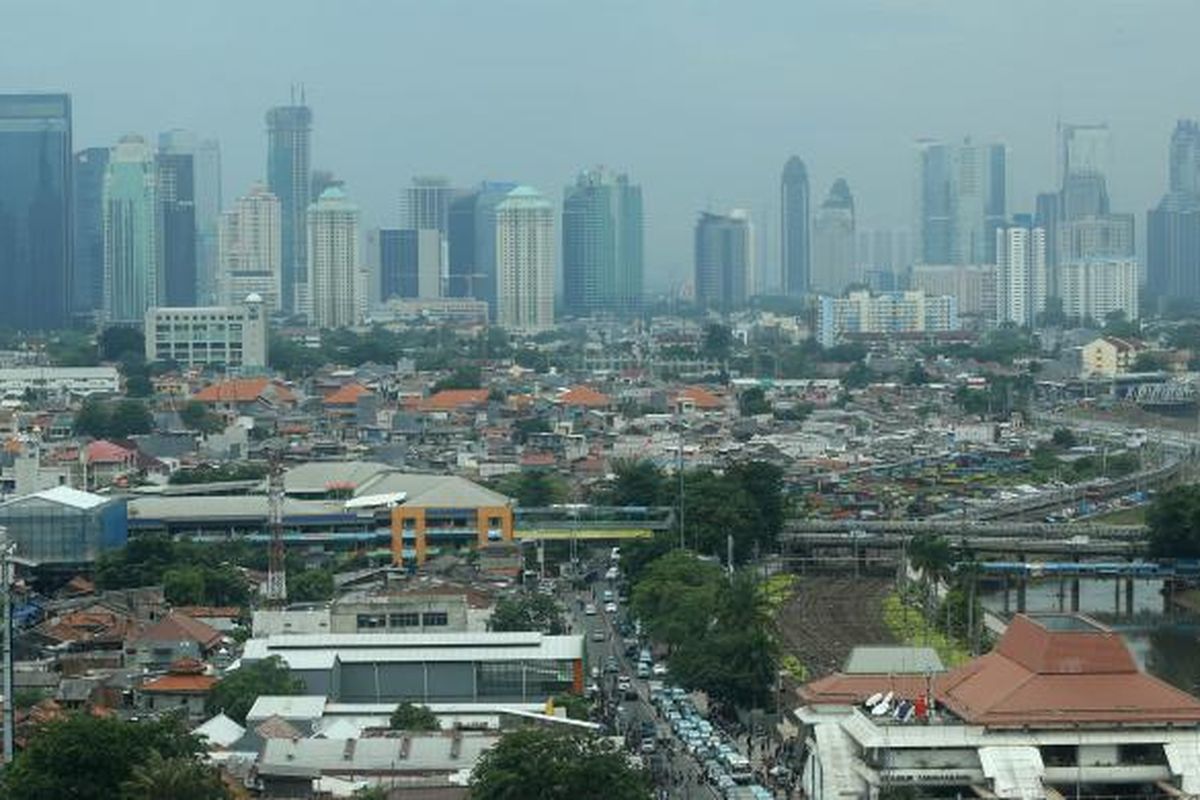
(624, 682)
(598, 635)
(610, 608)
(610, 665)
(590, 609)
(659, 669)
(648, 746)
(611, 574)
(643, 670)
(607, 596)
(596, 672)
(615, 554)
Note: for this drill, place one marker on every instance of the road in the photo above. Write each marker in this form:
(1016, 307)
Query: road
(676, 772)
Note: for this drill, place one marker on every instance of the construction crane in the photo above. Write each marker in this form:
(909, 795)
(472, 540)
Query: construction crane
(276, 561)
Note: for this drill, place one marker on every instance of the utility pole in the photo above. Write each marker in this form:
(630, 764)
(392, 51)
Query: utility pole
(6, 565)
(277, 560)
(679, 470)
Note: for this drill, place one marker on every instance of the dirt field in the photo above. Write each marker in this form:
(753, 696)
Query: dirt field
(831, 614)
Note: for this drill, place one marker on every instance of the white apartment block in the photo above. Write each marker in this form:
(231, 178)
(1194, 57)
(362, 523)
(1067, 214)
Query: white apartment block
(337, 285)
(1020, 275)
(234, 337)
(525, 261)
(973, 286)
(1095, 288)
(251, 260)
(889, 312)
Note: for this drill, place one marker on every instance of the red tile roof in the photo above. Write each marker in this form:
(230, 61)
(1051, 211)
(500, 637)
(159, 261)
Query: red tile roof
(452, 399)
(102, 452)
(346, 395)
(181, 684)
(242, 390)
(701, 398)
(584, 397)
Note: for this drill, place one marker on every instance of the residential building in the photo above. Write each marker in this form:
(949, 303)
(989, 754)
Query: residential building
(251, 254)
(76, 381)
(1060, 703)
(833, 242)
(1108, 356)
(796, 249)
(1020, 275)
(230, 337)
(133, 280)
(337, 282)
(64, 526)
(175, 193)
(602, 244)
(433, 311)
(410, 263)
(36, 236)
(973, 286)
(88, 247)
(961, 201)
(185, 688)
(205, 155)
(724, 260)
(172, 639)
(860, 312)
(1094, 288)
(416, 607)
(1084, 238)
(525, 261)
(881, 250)
(429, 668)
(289, 175)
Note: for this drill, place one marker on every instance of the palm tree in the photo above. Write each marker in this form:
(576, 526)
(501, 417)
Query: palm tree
(933, 557)
(159, 778)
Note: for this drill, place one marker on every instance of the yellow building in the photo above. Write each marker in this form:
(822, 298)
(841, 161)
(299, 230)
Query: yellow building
(449, 513)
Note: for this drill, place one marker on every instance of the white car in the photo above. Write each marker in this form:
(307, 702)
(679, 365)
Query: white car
(610, 608)
(590, 609)
(659, 669)
(611, 574)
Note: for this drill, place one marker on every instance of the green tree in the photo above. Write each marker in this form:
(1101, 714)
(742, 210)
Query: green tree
(129, 417)
(184, 586)
(179, 778)
(311, 586)
(528, 612)
(638, 482)
(413, 717)
(753, 402)
(858, 376)
(763, 482)
(92, 419)
(676, 595)
(545, 764)
(1064, 438)
(1174, 522)
(196, 416)
(461, 378)
(236, 692)
(122, 343)
(89, 758)
(532, 488)
(718, 342)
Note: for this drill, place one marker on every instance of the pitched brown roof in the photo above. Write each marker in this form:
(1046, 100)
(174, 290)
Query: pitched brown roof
(701, 398)
(1060, 670)
(346, 395)
(181, 684)
(242, 390)
(177, 627)
(584, 397)
(276, 727)
(452, 399)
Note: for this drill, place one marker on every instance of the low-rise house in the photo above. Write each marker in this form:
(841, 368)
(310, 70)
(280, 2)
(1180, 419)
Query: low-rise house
(185, 687)
(171, 639)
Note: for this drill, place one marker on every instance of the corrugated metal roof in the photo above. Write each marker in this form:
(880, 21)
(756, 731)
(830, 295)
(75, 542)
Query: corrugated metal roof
(318, 651)
(300, 707)
(429, 752)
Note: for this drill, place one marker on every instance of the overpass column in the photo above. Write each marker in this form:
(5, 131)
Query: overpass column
(1129, 597)
(1021, 582)
(1075, 588)
(1117, 597)
(1007, 589)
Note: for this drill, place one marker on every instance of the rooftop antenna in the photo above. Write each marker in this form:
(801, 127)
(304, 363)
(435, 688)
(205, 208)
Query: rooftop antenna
(276, 561)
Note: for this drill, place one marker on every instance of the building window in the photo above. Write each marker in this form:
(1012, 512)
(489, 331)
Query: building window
(369, 621)
(436, 619)
(405, 620)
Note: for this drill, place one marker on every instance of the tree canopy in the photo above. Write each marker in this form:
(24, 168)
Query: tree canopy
(413, 717)
(528, 611)
(1174, 522)
(98, 758)
(236, 692)
(118, 420)
(543, 764)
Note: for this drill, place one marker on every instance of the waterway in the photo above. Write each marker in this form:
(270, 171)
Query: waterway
(1166, 644)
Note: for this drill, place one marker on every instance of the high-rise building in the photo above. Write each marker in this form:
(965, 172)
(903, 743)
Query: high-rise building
(524, 255)
(1084, 150)
(251, 243)
(795, 228)
(410, 262)
(207, 200)
(1184, 158)
(1105, 236)
(1094, 288)
(724, 257)
(471, 220)
(133, 280)
(36, 235)
(1173, 226)
(462, 275)
(833, 242)
(1020, 275)
(426, 204)
(602, 244)
(88, 197)
(177, 228)
(337, 282)
(961, 201)
(973, 286)
(289, 177)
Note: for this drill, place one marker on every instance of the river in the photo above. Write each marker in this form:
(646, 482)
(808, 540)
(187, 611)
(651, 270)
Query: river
(1167, 645)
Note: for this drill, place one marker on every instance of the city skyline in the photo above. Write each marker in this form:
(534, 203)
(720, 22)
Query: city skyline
(854, 127)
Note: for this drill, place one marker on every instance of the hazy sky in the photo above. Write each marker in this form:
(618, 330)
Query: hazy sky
(699, 101)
